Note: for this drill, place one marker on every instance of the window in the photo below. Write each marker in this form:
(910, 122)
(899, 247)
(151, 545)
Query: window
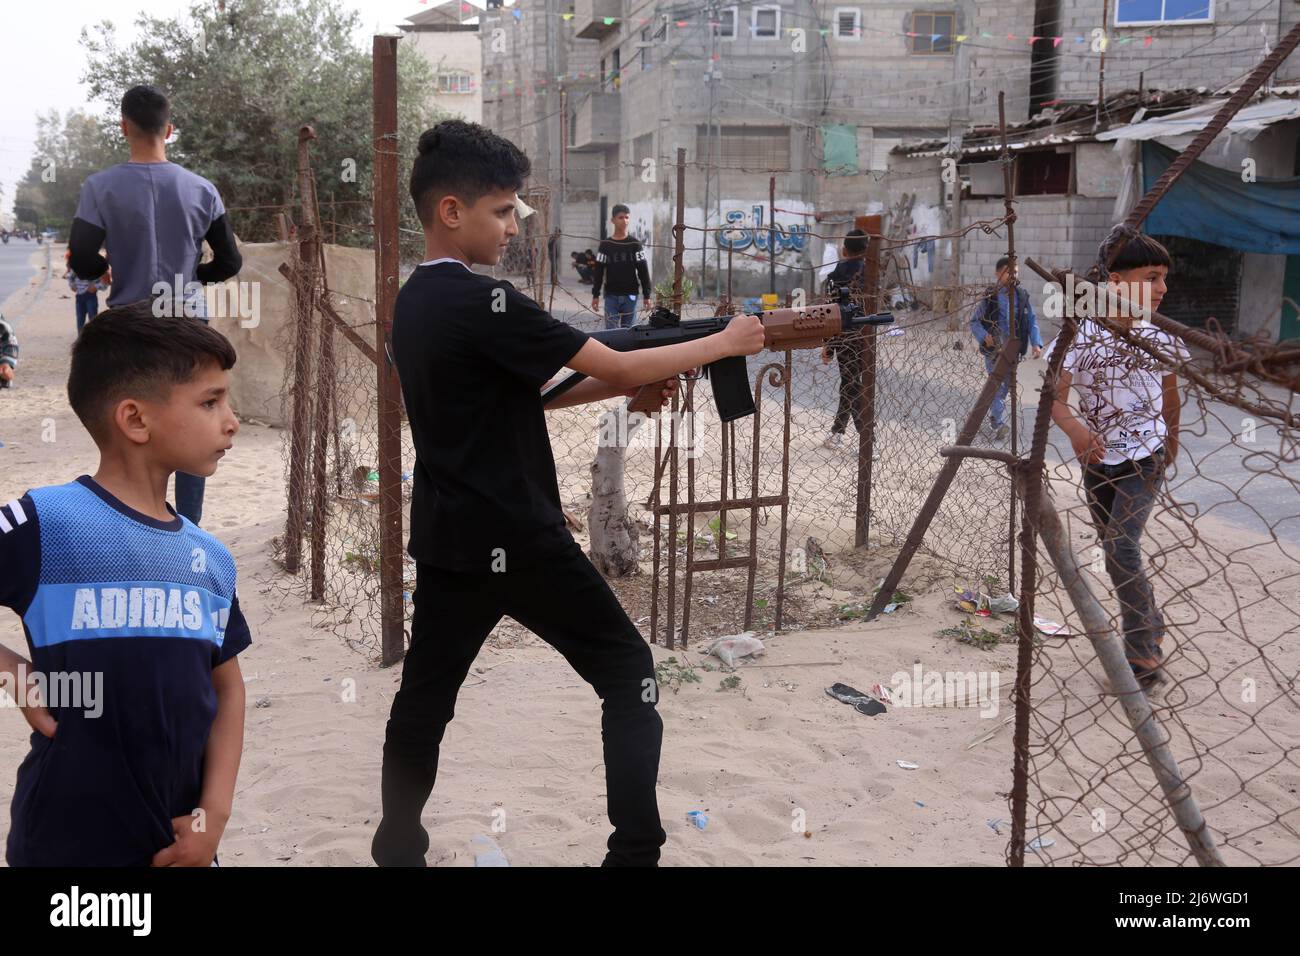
(881, 145)
(933, 33)
(455, 83)
(618, 67)
(765, 22)
(611, 164)
(642, 149)
(1042, 173)
(1138, 12)
(604, 77)
(848, 23)
(645, 49)
(751, 147)
(726, 28)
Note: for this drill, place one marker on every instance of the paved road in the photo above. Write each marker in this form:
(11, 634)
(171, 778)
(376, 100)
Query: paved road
(15, 272)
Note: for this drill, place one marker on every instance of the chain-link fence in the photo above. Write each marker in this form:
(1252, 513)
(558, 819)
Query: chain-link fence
(1106, 769)
(1219, 622)
(927, 373)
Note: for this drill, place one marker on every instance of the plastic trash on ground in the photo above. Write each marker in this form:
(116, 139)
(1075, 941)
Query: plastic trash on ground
(731, 649)
(486, 852)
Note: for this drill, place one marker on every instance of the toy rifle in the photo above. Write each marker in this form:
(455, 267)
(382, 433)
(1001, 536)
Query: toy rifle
(809, 327)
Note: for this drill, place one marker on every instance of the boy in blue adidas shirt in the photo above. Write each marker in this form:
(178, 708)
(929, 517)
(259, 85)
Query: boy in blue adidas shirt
(133, 690)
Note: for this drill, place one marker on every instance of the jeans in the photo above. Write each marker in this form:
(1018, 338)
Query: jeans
(567, 603)
(998, 410)
(1120, 498)
(87, 307)
(620, 311)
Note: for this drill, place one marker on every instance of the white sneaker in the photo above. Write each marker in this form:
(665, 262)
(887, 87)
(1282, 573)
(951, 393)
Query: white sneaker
(833, 440)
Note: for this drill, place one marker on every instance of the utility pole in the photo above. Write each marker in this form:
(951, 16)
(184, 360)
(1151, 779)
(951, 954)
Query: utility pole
(709, 18)
(958, 121)
(554, 157)
(771, 234)
(1101, 68)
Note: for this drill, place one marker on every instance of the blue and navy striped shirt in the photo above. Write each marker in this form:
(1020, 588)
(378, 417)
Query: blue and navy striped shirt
(143, 610)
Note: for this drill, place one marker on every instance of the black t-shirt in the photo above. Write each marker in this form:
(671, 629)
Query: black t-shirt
(472, 353)
(621, 266)
(845, 271)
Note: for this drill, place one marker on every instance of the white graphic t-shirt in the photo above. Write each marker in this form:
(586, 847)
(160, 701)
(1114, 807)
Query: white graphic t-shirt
(1121, 397)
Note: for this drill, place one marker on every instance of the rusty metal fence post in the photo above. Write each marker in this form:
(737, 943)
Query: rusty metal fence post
(311, 279)
(384, 68)
(303, 278)
(867, 384)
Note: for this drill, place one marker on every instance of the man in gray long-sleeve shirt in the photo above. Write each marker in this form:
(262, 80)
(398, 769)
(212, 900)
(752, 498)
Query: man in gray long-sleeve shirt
(153, 218)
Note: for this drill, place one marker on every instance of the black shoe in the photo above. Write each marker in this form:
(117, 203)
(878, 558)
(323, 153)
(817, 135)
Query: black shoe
(387, 851)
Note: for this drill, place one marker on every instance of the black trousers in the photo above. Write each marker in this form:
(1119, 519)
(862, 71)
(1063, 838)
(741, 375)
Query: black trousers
(1121, 498)
(569, 605)
(850, 362)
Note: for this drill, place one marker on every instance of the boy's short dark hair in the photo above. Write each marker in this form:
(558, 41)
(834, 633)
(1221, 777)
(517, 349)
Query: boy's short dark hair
(465, 160)
(618, 208)
(856, 241)
(148, 108)
(128, 352)
(1003, 262)
(1141, 250)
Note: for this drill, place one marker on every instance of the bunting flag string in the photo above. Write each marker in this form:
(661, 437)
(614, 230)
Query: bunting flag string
(687, 21)
(1101, 41)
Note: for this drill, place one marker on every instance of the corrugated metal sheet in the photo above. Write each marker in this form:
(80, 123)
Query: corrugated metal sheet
(1249, 122)
(994, 148)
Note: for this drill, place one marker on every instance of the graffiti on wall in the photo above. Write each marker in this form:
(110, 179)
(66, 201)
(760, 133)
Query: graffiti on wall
(748, 231)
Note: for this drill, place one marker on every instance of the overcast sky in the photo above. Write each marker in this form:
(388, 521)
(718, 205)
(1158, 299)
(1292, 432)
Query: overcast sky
(40, 60)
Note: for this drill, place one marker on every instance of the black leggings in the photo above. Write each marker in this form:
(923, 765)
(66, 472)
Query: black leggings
(569, 605)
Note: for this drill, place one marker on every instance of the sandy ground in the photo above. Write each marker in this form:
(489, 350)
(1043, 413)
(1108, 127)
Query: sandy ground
(785, 774)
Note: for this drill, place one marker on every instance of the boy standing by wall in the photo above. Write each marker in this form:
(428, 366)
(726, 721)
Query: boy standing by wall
(130, 610)
(487, 531)
(846, 350)
(1125, 436)
(620, 264)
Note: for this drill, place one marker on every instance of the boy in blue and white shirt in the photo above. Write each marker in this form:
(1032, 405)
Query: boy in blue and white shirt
(990, 324)
(85, 292)
(133, 690)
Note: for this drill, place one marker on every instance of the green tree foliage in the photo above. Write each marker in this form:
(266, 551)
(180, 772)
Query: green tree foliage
(68, 149)
(243, 80)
